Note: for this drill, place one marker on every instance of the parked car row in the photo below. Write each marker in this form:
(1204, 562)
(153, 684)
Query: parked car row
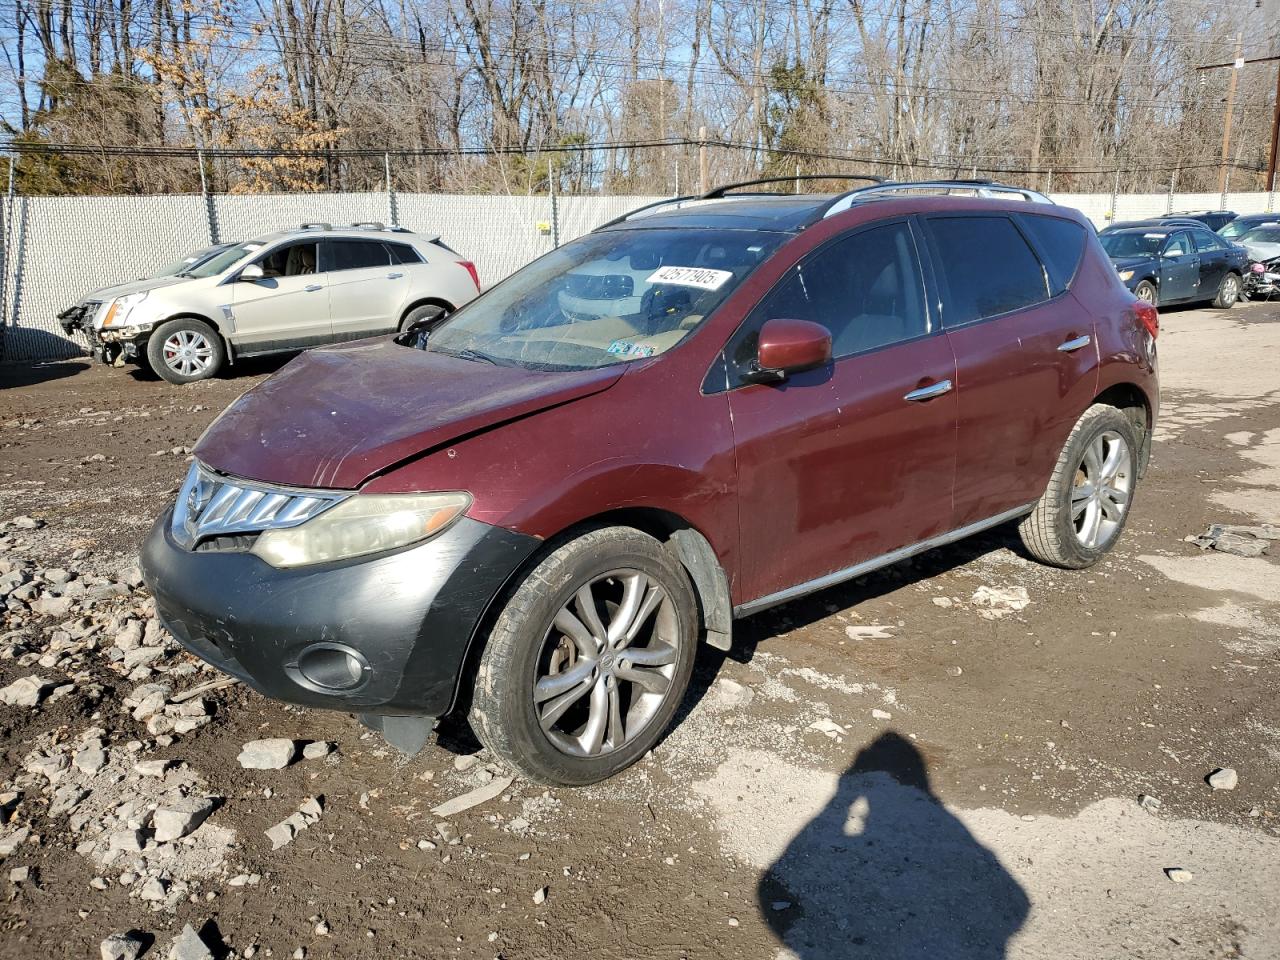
(1176, 259)
(531, 514)
(282, 292)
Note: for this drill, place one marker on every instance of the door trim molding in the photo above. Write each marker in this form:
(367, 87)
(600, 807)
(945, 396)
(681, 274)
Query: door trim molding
(875, 563)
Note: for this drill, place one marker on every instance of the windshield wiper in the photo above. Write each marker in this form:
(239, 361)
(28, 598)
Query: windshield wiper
(466, 353)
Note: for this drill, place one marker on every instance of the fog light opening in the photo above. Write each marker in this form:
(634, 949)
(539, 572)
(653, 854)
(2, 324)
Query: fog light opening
(332, 666)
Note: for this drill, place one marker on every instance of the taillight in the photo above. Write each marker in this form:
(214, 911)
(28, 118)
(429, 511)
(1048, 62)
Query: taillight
(471, 269)
(1147, 317)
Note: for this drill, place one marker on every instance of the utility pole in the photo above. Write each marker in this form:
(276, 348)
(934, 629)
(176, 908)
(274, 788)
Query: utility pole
(1238, 64)
(1226, 126)
(704, 168)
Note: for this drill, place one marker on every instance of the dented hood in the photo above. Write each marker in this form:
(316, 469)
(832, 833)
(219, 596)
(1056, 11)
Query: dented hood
(335, 417)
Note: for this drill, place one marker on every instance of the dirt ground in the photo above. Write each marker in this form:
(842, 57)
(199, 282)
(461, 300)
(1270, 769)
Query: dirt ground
(893, 770)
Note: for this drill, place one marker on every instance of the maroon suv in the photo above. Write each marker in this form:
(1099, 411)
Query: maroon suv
(534, 511)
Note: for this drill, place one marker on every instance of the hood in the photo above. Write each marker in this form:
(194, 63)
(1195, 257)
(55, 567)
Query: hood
(133, 286)
(1130, 263)
(335, 417)
(1262, 252)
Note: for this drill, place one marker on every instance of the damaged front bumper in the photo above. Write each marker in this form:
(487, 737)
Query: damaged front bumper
(385, 636)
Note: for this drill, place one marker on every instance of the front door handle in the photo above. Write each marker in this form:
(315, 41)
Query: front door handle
(929, 392)
(312, 287)
(1075, 344)
(394, 276)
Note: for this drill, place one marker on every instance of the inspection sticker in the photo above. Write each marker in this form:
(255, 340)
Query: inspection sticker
(625, 348)
(702, 277)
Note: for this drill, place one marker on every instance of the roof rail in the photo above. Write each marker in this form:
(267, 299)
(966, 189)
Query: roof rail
(368, 225)
(670, 201)
(318, 225)
(878, 191)
(717, 193)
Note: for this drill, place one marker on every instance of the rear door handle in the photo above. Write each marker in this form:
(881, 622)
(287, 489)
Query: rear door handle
(312, 287)
(1075, 344)
(929, 392)
(394, 276)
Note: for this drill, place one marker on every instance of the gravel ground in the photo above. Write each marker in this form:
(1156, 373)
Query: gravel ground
(943, 759)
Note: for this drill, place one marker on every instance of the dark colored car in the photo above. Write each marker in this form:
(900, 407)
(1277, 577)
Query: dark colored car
(1213, 219)
(1238, 227)
(1168, 265)
(1153, 222)
(530, 516)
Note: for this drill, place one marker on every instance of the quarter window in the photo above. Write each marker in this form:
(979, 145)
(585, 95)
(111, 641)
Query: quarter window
(987, 268)
(1061, 243)
(864, 288)
(356, 254)
(403, 253)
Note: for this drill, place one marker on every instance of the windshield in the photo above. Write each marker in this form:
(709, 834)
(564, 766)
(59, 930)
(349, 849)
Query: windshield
(1267, 234)
(605, 298)
(1133, 244)
(191, 260)
(220, 260)
(1236, 228)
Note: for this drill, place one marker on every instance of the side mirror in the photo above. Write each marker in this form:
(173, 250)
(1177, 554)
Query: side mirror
(787, 347)
(252, 272)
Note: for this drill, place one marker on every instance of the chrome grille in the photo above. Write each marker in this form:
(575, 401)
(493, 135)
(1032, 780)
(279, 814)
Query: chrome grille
(211, 505)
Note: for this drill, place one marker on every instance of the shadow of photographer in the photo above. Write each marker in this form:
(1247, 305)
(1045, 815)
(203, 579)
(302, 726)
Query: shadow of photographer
(884, 871)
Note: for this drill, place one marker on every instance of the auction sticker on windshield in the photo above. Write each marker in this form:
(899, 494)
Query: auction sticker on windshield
(702, 277)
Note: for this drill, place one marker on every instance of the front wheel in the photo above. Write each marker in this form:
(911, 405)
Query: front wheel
(589, 660)
(1228, 292)
(1086, 504)
(1146, 292)
(185, 350)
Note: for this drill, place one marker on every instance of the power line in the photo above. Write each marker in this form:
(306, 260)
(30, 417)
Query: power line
(189, 152)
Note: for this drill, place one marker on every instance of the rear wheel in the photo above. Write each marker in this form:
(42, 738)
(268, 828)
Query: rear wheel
(185, 350)
(589, 660)
(431, 312)
(1228, 292)
(1146, 292)
(1085, 507)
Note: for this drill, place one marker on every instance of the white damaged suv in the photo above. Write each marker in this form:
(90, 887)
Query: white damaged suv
(283, 292)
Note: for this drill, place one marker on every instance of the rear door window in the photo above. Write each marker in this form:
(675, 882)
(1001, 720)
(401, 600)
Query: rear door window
(1206, 242)
(986, 268)
(1061, 245)
(355, 254)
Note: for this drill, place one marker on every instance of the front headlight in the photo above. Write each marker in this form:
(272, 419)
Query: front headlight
(121, 307)
(362, 525)
(1126, 275)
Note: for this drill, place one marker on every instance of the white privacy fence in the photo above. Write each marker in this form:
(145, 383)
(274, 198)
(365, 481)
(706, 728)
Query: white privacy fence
(57, 249)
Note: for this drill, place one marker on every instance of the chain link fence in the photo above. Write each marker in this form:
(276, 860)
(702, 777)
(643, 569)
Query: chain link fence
(58, 249)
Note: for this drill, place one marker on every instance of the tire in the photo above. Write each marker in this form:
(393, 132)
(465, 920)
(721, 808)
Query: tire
(1228, 292)
(1050, 532)
(1146, 290)
(563, 733)
(428, 311)
(185, 350)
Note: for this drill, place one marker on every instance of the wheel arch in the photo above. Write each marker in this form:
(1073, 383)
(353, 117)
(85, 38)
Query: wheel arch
(1131, 400)
(689, 545)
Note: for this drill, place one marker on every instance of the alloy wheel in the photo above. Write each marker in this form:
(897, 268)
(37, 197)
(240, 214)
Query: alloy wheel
(1146, 293)
(1102, 489)
(187, 352)
(1230, 290)
(607, 663)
